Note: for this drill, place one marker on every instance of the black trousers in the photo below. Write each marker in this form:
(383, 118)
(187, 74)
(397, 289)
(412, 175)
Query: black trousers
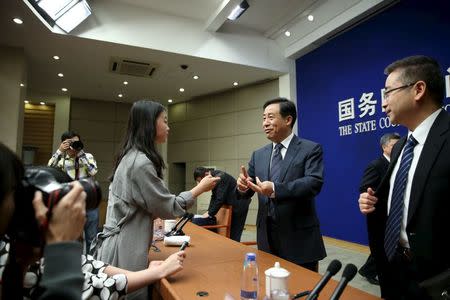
(205, 221)
(400, 281)
(275, 245)
(369, 269)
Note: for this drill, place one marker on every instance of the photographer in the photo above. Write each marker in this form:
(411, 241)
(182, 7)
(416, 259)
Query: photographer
(72, 160)
(64, 265)
(63, 278)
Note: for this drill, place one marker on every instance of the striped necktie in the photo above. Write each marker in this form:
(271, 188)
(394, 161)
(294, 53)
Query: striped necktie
(274, 174)
(394, 221)
(275, 165)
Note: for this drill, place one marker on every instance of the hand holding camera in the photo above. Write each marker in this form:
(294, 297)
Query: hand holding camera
(65, 145)
(56, 205)
(68, 215)
(71, 144)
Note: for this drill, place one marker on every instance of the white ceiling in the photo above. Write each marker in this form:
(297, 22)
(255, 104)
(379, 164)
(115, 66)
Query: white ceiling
(85, 61)
(194, 9)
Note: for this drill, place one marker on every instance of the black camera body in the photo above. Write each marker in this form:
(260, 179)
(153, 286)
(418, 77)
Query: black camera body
(54, 184)
(76, 145)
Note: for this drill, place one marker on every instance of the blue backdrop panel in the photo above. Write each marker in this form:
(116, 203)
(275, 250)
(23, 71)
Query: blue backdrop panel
(349, 69)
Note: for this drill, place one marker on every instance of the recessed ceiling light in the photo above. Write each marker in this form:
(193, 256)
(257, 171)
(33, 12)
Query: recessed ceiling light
(287, 33)
(170, 100)
(235, 83)
(26, 101)
(18, 21)
(64, 89)
(60, 75)
(120, 95)
(196, 77)
(310, 18)
(181, 90)
(55, 57)
(22, 85)
(42, 103)
(125, 82)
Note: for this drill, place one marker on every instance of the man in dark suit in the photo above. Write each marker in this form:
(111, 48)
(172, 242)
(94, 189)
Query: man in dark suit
(223, 193)
(408, 216)
(373, 174)
(287, 174)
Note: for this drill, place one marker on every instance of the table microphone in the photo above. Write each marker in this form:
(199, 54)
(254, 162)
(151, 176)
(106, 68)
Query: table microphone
(184, 245)
(332, 269)
(174, 228)
(347, 275)
(187, 218)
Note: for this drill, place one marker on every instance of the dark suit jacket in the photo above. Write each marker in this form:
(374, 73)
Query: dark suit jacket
(373, 174)
(301, 179)
(225, 193)
(429, 209)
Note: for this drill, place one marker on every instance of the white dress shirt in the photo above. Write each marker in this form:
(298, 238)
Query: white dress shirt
(420, 134)
(283, 151)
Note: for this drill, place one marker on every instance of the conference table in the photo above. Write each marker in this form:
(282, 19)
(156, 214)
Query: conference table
(214, 264)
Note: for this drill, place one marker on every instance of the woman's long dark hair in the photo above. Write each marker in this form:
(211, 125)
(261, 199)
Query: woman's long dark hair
(141, 133)
(11, 174)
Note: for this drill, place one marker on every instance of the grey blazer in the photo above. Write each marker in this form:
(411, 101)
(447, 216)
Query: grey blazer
(136, 197)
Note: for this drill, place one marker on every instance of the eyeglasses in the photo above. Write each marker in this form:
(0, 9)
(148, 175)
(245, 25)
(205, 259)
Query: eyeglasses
(388, 92)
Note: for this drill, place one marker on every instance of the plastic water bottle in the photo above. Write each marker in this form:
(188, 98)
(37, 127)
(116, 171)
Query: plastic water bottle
(249, 280)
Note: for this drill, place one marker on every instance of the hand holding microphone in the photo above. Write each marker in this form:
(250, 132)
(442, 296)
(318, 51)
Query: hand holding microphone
(332, 269)
(347, 275)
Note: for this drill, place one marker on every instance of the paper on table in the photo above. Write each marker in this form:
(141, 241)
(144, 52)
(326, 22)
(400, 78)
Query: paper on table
(176, 240)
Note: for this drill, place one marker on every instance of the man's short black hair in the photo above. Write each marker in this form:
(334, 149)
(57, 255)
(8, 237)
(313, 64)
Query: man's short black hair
(200, 172)
(287, 108)
(419, 67)
(69, 134)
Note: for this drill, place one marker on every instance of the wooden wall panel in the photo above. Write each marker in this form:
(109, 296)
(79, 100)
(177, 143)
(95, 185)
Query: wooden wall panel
(38, 130)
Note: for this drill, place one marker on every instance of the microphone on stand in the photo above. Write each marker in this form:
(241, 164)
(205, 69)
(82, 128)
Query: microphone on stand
(187, 218)
(332, 269)
(174, 228)
(347, 275)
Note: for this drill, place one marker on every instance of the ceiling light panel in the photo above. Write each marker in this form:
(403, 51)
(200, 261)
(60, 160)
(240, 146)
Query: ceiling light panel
(238, 11)
(73, 17)
(56, 9)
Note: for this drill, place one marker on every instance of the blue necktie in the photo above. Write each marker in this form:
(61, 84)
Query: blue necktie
(274, 174)
(394, 221)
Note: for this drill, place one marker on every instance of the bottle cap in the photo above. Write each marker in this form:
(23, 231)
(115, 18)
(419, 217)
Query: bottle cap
(277, 272)
(250, 256)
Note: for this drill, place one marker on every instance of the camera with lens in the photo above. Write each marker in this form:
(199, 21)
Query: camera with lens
(54, 185)
(76, 145)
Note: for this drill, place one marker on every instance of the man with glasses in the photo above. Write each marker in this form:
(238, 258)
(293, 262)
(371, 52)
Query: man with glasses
(409, 214)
